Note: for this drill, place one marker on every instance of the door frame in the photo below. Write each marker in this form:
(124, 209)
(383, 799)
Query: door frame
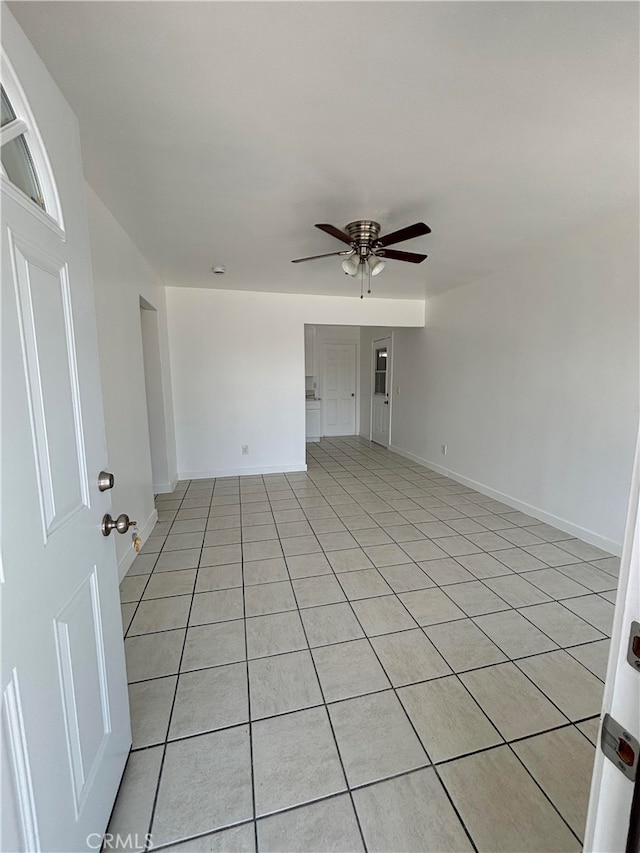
(389, 337)
(322, 376)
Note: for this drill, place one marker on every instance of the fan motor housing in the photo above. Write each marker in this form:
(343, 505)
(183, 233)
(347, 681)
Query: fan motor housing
(363, 233)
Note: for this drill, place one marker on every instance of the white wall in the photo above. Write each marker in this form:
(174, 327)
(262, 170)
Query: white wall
(338, 334)
(237, 363)
(530, 377)
(121, 276)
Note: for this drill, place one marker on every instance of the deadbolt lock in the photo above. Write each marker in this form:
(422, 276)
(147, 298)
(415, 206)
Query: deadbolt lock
(105, 481)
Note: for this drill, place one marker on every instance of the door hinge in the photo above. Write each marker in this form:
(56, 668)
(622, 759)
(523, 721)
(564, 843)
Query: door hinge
(620, 747)
(633, 652)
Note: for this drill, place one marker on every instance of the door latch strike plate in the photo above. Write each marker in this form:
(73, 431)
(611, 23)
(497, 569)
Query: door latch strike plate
(620, 747)
(633, 652)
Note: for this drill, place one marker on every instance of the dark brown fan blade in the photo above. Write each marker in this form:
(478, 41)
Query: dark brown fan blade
(335, 232)
(407, 233)
(395, 255)
(326, 255)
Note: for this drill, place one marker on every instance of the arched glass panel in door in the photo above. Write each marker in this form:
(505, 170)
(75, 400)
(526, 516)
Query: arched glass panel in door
(25, 169)
(17, 162)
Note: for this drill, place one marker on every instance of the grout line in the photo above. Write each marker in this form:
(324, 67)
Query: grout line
(404, 710)
(330, 721)
(173, 703)
(248, 686)
(545, 795)
(131, 748)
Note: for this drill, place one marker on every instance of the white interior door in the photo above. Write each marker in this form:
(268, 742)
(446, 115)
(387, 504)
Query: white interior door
(381, 397)
(339, 389)
(65, 720)
(609, 816)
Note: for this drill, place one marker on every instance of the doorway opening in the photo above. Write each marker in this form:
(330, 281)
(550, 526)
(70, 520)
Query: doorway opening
(155, 396)
(332, 377)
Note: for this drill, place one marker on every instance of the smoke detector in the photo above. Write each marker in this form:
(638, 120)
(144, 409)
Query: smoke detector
(219, 269)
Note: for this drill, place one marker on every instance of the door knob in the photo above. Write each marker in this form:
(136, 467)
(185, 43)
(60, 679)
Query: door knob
(386, 402)
(121, 524)
(353, 395)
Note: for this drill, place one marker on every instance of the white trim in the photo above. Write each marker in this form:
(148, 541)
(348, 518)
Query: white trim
(239, 472)
(12, 130)
(30, 206)
(589, 536)
(18, 763)
(130, 554)
(164, 488)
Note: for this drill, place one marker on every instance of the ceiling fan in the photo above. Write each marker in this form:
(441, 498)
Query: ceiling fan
(367, 249)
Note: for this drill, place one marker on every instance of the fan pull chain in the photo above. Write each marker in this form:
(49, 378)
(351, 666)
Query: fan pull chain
(361, 279)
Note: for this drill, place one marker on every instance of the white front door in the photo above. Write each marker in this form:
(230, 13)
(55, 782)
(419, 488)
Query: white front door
(339, 389)
(381, 399)
(610, 807)
(65, 721)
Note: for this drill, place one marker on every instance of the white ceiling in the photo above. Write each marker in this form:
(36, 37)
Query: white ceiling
(220, 132)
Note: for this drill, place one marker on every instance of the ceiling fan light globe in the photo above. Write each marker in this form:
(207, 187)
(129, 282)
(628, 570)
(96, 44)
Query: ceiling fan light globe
(376, 264)
(350, 265)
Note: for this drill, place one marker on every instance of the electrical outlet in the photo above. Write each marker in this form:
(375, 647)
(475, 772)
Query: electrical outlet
(245, 449)
(444, 449)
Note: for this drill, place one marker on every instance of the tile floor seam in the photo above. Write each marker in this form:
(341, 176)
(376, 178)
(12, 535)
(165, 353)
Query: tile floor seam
(555, 651)
(249, 714)
(528, 657)
(398, 631)
(545, 794)
(157, 785)
(584, 618)
(331, 726)
(556, 601)
(166, 741)
(410, 721)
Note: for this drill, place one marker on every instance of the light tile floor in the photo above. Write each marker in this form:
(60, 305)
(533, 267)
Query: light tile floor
(366, 656)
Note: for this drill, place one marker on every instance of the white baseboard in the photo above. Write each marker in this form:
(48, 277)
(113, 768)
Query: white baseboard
(238, 472)
(589, 536)
(144, 531)
(164, 488)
